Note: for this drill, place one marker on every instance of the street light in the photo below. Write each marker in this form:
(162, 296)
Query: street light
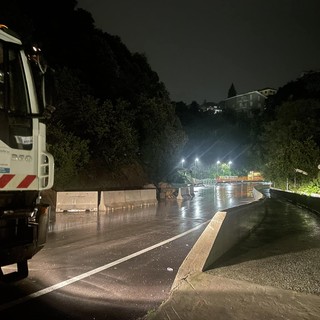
(300, 171)
(182, 162)
(230, 163)
(196, 161)
(218, 162)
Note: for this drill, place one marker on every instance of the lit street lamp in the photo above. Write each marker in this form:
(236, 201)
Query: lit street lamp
(182, 162)
(217, 173)
(299, 171)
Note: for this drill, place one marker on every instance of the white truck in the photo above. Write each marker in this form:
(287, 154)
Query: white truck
(26, 168)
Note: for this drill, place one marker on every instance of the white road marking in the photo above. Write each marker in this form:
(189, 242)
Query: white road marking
(94, 271)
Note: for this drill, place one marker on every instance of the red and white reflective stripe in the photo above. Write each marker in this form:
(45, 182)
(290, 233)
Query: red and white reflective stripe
(5, 179)
(23, 183)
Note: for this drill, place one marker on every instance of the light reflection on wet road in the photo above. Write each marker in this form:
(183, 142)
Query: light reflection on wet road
(205, 203)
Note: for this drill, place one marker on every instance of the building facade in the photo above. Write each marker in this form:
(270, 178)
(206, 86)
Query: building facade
(250, 103)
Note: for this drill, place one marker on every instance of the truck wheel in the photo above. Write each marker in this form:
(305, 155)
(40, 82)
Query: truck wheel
(23, 270)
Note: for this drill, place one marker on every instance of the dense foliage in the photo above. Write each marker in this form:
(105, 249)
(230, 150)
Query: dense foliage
(290, 139)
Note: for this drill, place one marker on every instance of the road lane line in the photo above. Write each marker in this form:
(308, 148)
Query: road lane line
(94, 271)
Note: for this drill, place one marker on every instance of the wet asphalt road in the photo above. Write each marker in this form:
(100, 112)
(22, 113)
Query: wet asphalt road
(116, 265)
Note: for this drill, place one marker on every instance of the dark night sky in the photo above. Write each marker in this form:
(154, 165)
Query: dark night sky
(198, 48)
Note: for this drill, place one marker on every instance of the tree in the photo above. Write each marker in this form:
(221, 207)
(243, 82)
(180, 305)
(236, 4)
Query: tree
(291, 141)
(71, 154)
(110, 129)
(161, 137)
(305, 87)
(232, 91)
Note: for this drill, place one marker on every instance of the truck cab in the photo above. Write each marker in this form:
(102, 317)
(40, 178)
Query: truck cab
(26, 168)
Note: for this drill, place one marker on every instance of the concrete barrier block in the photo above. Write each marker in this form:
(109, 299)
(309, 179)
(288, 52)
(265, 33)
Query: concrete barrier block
(133, 198)
(224, 231)
(111, 200)
(149, 196)
(77, 201)
(198, 256)
(179, 196)
(114, 199)
(238, 223)
(185, 191)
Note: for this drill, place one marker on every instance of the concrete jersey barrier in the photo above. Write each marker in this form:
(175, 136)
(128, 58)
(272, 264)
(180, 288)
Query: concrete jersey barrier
(106, 200)
(310, 202)
(225, 230)
(112, 200)
(77, 201)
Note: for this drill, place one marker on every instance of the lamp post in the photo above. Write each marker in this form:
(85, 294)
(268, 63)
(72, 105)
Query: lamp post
(182, 162)
(299, 171)
(195, 167)
(217, 173)
(230, 163)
